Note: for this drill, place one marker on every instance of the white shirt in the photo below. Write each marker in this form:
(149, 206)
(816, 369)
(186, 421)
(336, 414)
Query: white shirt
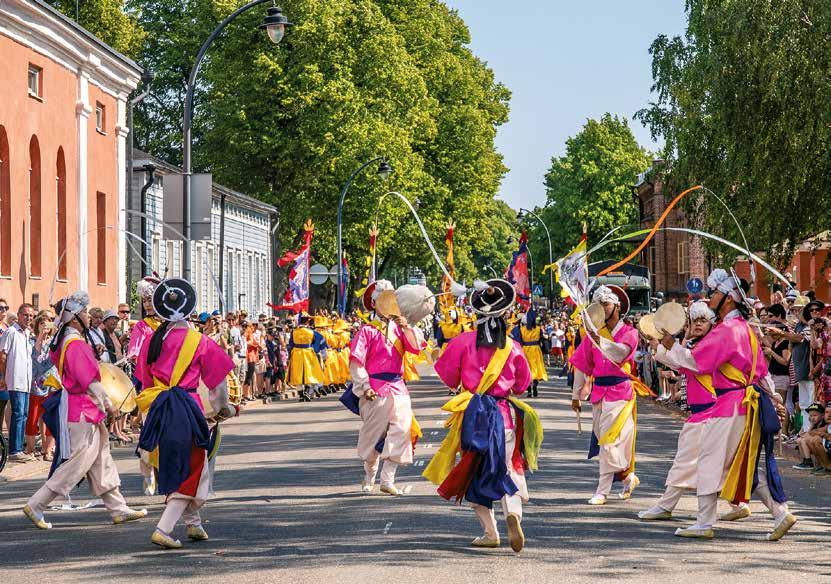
(15, 344)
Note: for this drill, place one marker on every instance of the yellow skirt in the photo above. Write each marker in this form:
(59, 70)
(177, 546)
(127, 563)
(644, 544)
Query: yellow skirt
(343, 366)
(304, 368)
(534, 355)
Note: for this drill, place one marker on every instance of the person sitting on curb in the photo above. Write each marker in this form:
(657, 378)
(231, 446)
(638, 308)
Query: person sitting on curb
(811, 444)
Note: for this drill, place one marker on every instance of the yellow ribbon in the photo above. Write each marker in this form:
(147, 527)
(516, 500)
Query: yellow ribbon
(445, 458)
(739, 482)
(63, 354)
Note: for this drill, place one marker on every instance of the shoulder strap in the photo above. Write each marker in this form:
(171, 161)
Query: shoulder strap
(183, 359)
(494, 368)
(63, 354)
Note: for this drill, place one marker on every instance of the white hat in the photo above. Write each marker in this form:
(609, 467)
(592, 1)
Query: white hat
(110, 314)
(720, 280)
(69, 307)
(604, 295)
(700, 309)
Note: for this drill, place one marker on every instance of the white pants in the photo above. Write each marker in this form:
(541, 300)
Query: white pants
(684, 472)
(390, 418)
(510, 503)
(806, 398)
(185, 506)
(617, 456)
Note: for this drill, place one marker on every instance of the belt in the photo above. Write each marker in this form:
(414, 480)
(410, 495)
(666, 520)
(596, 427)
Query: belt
(699, 408)
(530, 343)
(306, 346)
(389, 377)
(724, 391)
(609, 380)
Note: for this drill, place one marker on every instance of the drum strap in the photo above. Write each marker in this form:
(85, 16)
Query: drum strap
(183, 360)
(63, 354)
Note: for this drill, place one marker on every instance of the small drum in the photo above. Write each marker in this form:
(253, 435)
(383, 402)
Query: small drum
(234, 389)
(597, 314)
(647, 326)
(670, 317)
(118, 387)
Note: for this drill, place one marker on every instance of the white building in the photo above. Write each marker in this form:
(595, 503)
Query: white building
(248, 266)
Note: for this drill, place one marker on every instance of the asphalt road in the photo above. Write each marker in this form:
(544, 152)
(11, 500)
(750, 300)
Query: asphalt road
(288, 510)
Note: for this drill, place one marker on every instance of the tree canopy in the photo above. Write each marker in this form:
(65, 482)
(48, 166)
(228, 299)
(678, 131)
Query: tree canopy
(591, 183)
(108, 20)
(744, 108)
(353, 79)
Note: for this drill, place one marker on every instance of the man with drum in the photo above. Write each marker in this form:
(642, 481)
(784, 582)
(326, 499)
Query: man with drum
(77, 417)
(608, 358)
(730, 445)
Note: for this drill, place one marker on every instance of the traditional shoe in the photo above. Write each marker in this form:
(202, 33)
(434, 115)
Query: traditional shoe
(740, 512)
(654, 514)
(391, 490)
(165, 541)
(782, 527)
(367, 487)
(485, 542)
(130, 516)
(598, 500)
(515, 535)
(629, 486)
(695, 532)
(39, 522)
(197, 533)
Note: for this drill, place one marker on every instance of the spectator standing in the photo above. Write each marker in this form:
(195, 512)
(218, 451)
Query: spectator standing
(96, 317)
(777, 351)
(801, 340)
(123, 327)
(16, 378)
(44, 383)
(113, 352)
(822, 362)
(4, 393)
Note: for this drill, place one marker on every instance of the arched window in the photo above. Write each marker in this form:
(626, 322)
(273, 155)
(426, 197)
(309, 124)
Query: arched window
(60, 174)
(34, 208)
(5, 207)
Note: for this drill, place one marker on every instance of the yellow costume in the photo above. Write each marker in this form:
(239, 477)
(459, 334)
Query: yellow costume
(530, 340)
(304, 365)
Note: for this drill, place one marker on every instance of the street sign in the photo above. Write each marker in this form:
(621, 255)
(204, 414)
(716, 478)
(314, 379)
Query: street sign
(695, 285)
(201, 199)
(318, 274)
(537, 290)
(333, 274)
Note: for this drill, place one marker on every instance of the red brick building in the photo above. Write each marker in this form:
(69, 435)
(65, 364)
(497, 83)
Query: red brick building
(63, 96)
(672, 257)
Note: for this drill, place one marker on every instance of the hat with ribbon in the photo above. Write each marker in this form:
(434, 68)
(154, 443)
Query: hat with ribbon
(174, 299)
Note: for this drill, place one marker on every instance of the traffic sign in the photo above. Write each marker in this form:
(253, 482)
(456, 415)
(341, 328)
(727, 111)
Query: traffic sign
(318, 274)
(695, 285)
(537, 290)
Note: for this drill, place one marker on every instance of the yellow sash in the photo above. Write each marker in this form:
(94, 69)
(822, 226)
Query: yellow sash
(149, 394)
(445, 458)
(63, 354)
(152, 322)
(739, 482)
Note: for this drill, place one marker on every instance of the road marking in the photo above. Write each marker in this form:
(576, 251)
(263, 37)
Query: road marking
(434, 433)
(387, 528)
(406, 491)
(419, 462)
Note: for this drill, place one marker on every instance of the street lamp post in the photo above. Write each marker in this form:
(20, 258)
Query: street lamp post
(384, 171)
(550, 252)
(275, 24)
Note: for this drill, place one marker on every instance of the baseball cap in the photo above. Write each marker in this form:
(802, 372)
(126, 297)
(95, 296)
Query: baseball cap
(816, 407)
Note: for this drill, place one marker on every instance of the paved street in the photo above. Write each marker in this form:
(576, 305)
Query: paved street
(288, 510)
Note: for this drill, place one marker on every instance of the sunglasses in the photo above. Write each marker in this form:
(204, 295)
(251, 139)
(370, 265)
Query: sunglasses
(4, 308)
(123, 312)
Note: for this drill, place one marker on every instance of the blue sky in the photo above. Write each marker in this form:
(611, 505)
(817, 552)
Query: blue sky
(565, 61)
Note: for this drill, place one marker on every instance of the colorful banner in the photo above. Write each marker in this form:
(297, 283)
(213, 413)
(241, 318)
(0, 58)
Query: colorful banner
(296, 298)
(572, 273)
(447, 300)
(517, 272)
(369, 277)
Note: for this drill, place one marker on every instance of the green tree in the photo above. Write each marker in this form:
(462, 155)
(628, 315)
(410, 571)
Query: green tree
(353, 79)
(107, 20)
(592, 184)
(744, 107)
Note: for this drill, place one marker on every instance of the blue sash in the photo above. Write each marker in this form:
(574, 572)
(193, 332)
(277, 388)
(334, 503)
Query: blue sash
(609, 380)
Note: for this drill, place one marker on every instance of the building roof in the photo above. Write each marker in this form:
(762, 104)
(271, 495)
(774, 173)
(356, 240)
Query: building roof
(235, 196)
(86, 34)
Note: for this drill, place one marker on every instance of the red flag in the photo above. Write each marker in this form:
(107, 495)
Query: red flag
(296, 297)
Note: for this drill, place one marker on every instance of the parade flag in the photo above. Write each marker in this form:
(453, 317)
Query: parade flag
(369, 277)
(572, 273)
(296, 298)
(447, 300)
(517, 272)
